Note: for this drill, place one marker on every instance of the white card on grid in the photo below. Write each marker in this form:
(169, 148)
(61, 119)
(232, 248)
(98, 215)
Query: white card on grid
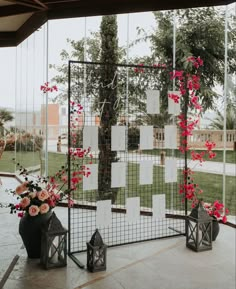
(170, 170)
(170, 136)
(103, 214)
(173, 107)
(132, 209)
(118, 174)
(158, 206)
(90, 138)
(146, 172)
(146, 137)
(91, 182)
(153, 101)
(118, 138)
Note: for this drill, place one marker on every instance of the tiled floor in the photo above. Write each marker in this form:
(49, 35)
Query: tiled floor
(160, 264)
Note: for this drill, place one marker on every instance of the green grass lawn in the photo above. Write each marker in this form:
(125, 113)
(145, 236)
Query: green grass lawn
(230, 155)
(210, 183)
(26, 159)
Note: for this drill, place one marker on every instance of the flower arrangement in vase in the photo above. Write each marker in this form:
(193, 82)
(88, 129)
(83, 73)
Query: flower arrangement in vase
(37, 196)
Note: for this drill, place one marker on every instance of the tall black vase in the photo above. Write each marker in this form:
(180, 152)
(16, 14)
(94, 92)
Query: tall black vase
(215, 228)
(30, 232)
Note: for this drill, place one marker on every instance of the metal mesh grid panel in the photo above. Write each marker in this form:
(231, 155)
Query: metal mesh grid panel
(130, 107)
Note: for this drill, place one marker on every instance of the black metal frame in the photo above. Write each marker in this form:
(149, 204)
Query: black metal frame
(151, 230)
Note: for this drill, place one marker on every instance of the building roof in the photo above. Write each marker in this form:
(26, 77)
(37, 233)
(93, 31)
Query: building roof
(20, 18)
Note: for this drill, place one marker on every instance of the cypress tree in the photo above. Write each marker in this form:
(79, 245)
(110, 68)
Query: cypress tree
(107, 100)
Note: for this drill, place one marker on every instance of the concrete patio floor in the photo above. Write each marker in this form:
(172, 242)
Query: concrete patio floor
(159, 264)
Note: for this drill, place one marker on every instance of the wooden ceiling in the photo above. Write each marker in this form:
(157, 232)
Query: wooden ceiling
(19, 19)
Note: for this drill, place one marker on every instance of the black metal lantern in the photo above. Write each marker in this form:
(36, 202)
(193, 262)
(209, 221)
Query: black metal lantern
(96, 253)
(53, 244)
(199, 229)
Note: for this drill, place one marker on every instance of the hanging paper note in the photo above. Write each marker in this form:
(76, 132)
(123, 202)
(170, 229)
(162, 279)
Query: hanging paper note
(103, 214)
(91, 182)
(171, 170)
(118, 175)
(174, 102)
(90, 138)
(118, 138)
(158, 206)
(170, 137)
(146, 137)
(153, 101)
(132, 209)
(146, 173)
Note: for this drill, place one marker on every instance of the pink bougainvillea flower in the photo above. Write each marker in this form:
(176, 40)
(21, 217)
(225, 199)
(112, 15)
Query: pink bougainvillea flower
(191, 59)
(20, 214)
(211, 155)
(44, 208)
(224, 219)
(200, 61)
(33, 210)
(75, 180)
(209, 145)
(64, 178)
(70, 203)
(139, 68)
(197, 156)
(46, 88)
(176, 74)
(216, 214)
(18, 206)
(51, 203)
(218, 205)
(174, 96)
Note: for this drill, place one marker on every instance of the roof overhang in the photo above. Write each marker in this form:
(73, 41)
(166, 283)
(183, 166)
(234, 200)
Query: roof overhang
(19, 19)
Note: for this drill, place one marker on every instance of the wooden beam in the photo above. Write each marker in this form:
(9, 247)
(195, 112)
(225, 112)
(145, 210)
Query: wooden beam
(12, 10)
(106, 7)
(7, 39)
(59, 1)
(30, 26)
(41, 4)
(27, 4)
(58, 9)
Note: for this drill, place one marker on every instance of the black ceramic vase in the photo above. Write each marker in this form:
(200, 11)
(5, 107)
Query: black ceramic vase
(30, 232)
(215, 228)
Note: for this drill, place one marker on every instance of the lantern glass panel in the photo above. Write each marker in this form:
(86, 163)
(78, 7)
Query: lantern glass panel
(192, 233)
(99, 257)
(199, 235)
(56, 252)
(206, 230)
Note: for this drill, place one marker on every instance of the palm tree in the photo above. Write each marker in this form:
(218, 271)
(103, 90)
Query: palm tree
(218, 122)
(5, 116)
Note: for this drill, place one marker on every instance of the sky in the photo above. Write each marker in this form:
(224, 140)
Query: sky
(59, 31)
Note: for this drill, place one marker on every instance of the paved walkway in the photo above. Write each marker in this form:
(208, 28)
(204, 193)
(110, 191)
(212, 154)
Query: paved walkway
(159, 264)
(206, 166)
